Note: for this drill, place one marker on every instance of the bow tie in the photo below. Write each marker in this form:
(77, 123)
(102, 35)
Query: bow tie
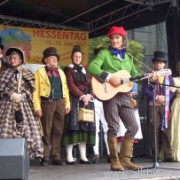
(120, 52)
(52, 71)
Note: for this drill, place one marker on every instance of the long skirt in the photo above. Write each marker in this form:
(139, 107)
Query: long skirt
(28, 128)
(74, 131)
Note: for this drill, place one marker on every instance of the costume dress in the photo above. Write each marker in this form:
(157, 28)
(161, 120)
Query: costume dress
(79, 83)
(28, 127)
(175, 121)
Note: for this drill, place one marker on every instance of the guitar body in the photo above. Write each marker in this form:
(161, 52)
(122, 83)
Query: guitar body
(105, 91)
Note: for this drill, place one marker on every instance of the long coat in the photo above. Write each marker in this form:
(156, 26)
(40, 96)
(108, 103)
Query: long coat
(29, 128)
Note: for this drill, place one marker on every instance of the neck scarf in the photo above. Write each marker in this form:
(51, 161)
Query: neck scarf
(80, 75)
(121, 52)
(166, 115)
(52, 72)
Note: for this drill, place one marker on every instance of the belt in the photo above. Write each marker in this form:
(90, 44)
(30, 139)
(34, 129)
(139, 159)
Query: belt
(48, 99)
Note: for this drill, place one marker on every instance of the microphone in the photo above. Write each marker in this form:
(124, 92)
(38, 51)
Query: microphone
(136, 77)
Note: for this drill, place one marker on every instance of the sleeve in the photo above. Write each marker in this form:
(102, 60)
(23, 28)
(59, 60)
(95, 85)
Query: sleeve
(95, 66)
(73, 88)
(65, 90)
(148, 92)
(36, 93)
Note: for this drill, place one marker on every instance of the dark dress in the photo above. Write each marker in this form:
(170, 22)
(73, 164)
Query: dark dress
(79, 84)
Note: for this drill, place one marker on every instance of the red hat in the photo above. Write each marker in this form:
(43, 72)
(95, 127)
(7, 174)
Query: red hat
(117, 30)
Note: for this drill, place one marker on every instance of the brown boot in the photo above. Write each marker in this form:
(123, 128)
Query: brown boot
(125, 154)
(114, 159)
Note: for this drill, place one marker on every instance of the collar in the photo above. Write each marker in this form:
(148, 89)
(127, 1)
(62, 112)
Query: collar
(118, 52)
(82, 68)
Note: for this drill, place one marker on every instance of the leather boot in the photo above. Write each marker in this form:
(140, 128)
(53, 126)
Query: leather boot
(125, 154)
(114, 159)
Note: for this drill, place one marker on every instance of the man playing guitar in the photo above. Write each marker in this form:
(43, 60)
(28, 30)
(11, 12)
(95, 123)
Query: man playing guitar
(103, 67)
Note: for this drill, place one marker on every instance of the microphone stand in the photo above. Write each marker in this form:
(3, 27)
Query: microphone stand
(155, 163)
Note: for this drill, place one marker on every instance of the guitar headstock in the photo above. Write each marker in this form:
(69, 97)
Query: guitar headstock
(164, 72)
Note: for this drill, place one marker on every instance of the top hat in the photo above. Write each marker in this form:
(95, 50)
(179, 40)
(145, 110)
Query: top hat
(19, 51)
(117, 30)
(159, 56)
(50, 51)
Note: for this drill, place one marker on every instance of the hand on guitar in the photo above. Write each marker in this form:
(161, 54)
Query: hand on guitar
(114, 80)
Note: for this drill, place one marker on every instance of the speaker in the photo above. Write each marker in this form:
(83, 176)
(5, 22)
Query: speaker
(14, 159)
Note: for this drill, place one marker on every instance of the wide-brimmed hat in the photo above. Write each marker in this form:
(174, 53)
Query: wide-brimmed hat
(50, 51)
(117, 30)
(12, 50)
(159, 56)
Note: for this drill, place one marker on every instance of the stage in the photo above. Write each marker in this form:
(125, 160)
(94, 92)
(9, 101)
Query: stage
(102, 171)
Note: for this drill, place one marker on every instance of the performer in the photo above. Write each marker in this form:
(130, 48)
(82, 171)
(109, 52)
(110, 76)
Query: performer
(81, 133)
(162, 106)
(51, 103)
(17, 118)
(106, 63)
(175, 117)
(4, 64)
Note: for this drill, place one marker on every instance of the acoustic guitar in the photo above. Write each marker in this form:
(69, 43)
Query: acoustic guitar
(105, 91)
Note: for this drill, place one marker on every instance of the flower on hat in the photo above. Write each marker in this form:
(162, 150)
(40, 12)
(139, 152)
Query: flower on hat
(117, 30)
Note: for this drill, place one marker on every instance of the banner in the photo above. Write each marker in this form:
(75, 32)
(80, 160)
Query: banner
(34, 41)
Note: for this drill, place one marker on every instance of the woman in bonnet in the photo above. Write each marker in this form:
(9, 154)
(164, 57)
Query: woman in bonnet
(17, 119)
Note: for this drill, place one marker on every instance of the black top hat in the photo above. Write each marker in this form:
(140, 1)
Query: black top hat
(159, 56)
(19, 51)
(50, 51)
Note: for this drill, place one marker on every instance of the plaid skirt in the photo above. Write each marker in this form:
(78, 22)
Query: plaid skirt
(28, 128)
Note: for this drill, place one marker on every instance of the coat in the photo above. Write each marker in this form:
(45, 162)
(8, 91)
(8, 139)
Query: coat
(149, 92)
(105, 63)
(43, 88)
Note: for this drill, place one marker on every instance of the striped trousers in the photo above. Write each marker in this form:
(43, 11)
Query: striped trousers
(116, 108)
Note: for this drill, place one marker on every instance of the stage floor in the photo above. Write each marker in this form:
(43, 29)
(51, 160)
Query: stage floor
(165, 171)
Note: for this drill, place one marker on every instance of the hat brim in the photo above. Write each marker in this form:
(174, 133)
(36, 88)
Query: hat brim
(10, 50)
(57, 55)
(162, 60)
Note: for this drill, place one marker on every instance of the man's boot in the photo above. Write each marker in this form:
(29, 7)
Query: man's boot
(114, 159)
(125, 154)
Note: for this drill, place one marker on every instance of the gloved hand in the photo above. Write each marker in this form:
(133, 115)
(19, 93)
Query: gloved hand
(16, 97)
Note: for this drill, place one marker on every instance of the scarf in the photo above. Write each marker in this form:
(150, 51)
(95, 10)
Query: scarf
(52, 72)
(120, 52)
(80, 74)
(166, 115)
